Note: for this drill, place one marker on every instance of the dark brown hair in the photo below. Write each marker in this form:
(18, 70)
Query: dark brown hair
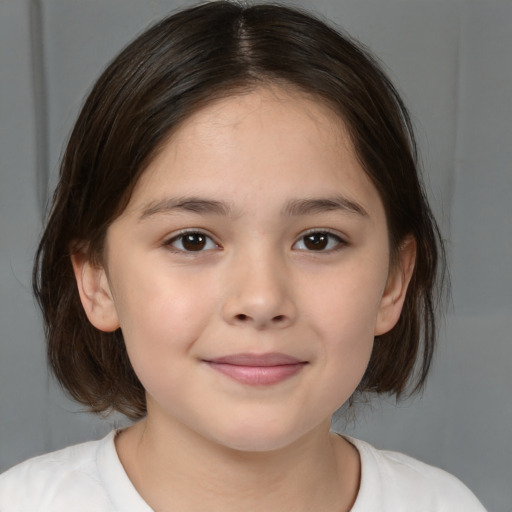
(177, 66)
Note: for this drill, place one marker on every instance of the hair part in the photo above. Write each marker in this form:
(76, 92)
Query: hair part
(179, 65)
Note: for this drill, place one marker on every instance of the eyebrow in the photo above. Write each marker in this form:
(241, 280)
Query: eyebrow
(186, 204)
(294, 207)
(298, 207)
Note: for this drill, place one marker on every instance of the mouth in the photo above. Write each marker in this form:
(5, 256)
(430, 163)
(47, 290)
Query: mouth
(257, 369)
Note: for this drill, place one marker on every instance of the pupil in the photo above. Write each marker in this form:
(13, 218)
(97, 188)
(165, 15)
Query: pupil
(194, 242)
(316, 241)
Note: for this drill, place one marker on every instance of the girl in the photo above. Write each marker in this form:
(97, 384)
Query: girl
(238, 244)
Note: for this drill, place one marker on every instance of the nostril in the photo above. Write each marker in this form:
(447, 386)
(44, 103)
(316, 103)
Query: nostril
(242, 317)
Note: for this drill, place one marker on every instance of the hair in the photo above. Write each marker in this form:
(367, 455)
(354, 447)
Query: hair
(177, 66)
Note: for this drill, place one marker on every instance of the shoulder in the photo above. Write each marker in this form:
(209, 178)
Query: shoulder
(55, 481)
(398, 482)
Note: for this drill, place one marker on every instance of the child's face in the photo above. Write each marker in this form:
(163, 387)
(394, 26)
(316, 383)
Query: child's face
(286, 263)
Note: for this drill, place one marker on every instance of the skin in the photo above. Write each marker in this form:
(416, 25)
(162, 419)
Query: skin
(256, 286)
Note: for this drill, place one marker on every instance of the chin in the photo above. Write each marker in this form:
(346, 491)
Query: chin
(257, 444)
(259, 438)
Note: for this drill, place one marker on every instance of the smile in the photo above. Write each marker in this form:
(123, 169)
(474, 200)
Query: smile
(257, 370)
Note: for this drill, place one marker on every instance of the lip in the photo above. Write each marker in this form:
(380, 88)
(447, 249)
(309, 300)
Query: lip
(257, 369)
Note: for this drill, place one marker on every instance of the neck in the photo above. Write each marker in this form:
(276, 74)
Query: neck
(319, 471)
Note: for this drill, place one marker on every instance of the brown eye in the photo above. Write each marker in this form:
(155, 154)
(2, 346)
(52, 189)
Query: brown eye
(192, 242)
(316, 241)
(319, 241)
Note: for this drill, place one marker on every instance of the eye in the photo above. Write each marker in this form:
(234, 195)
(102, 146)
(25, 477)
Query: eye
(320, 241)
(192, 241)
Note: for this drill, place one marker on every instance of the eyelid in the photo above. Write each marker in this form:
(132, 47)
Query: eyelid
(342, 240)
(181, 233)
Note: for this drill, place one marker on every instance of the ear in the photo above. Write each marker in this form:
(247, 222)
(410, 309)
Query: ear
(95, 293)
(396, 287)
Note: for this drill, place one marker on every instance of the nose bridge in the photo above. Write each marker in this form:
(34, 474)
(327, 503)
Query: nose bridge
(258, 288)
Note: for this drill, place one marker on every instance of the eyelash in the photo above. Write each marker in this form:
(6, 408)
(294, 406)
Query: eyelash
(339, 242)
(181, 236)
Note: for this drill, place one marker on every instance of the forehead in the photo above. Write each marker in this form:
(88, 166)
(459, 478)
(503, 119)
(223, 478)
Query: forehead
(271, 140)
(254, 108)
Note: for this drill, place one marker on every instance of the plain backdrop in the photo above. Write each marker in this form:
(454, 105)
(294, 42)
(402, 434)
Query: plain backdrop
(452, 61)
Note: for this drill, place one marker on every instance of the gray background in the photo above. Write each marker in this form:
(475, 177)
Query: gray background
(451, 59)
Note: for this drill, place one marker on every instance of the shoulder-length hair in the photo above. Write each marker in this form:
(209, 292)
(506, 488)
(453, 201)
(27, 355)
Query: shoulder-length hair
(173, 69)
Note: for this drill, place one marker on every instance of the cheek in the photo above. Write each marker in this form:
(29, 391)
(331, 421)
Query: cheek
(346, 352)
(347, 303)
(162, 312)
(344, 316)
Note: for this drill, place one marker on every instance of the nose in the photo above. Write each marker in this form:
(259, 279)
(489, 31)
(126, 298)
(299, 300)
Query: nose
(259, 293)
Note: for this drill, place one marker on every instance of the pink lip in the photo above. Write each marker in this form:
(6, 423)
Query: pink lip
(257, 369)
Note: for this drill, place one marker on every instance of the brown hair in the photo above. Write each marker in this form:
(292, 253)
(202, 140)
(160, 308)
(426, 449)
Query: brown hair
(170, 71)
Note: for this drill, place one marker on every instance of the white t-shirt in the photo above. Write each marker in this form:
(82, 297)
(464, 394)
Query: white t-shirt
(89, 477)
